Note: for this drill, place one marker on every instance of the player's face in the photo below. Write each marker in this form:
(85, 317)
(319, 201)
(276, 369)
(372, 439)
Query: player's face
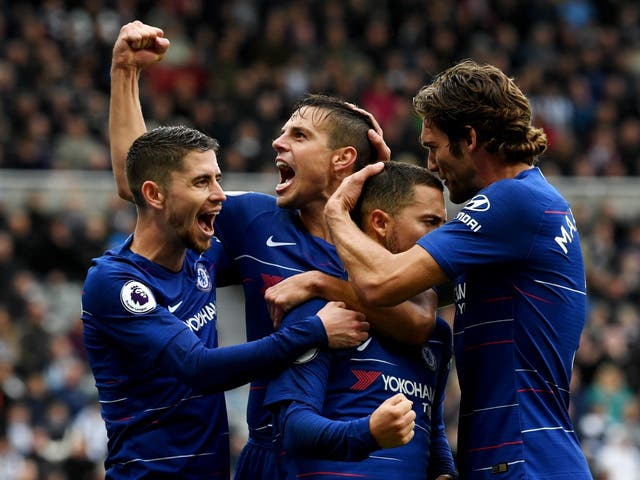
(304, 160)
(457, 172)
(194, 199)
(427, 212)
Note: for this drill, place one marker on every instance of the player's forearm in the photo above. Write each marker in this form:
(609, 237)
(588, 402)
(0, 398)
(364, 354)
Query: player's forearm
(410, 322)
(306, 433)
(224, 368)
(126, 123)
(370, 266)
(441, 461)
(440, 457)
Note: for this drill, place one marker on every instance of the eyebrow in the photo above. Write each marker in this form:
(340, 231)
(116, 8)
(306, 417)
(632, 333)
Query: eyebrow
(300, 129)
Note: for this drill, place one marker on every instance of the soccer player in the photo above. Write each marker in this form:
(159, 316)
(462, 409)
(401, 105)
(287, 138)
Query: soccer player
(514, 254)
(269, 239)
(337, 412)
(149, 320)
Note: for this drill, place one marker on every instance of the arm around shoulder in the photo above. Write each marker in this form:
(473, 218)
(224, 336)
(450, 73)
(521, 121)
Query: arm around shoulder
(397, 277)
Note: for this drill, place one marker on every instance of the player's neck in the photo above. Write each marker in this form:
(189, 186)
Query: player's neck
(314, 221)
(491, 171)
(158, 249)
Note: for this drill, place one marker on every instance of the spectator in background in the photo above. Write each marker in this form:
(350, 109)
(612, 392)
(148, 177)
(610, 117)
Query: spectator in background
(44, 42)
(59, 63)
(609, 393)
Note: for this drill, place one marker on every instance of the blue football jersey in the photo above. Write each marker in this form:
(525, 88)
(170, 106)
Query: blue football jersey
(267, 244)
(346, 385)
(520, 299)
(158, 427)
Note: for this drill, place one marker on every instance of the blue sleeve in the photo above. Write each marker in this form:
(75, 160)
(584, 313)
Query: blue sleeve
(307, 433)
(224, 368)
(146, 333)
(306, 378)
(296, 396)
(441, 458)
(159, 338)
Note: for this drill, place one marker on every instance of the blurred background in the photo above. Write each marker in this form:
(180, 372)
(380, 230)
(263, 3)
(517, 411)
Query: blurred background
(234, 70)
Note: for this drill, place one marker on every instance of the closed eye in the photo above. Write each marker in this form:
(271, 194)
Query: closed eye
(433, 222)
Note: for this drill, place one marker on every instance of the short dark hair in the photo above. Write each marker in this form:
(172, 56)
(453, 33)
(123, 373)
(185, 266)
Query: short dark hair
(347, 127)
(483, 97)
(392, 189)
(158, 152)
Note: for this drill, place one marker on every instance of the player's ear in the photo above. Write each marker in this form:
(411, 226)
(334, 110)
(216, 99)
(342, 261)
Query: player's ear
(379, 223)
(153, 194)
(471, 137)
(344, 158)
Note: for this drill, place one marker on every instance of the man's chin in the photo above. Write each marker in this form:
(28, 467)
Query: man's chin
(198, 246)
(283, 201)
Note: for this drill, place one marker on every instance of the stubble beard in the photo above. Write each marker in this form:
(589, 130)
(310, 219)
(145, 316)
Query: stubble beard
(187, 235)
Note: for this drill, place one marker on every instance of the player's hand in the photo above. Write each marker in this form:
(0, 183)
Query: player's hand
(288, 293)
(345, 197)
(345, 328)
(138, 45)
(392, 423)
(375, 135)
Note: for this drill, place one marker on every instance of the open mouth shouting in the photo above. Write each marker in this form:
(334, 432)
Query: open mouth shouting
(286, 176)
(206, 220)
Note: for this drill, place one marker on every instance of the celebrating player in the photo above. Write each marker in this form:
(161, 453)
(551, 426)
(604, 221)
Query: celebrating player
(514, 254)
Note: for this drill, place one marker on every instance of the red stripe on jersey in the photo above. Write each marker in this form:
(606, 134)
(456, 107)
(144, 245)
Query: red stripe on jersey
(492, 447)
(532, 296)
(498, 342)
(536, 390)
(337, 474)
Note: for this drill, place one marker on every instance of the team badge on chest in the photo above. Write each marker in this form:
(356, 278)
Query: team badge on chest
(429, 358)
(203, 281)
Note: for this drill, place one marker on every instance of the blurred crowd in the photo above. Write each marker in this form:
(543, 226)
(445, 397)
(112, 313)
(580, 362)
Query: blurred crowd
(234, 70)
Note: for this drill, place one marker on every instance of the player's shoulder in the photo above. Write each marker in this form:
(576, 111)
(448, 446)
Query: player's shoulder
(212, 254)
(521, 200)
(111, 261)
(248, 199)
(107, 276)
(530, 186)
(240, 208)
(121, 264)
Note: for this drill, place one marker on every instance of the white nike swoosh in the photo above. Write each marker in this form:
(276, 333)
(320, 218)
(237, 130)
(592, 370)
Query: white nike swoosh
(173, 308)
(272, 243)
(364, 345)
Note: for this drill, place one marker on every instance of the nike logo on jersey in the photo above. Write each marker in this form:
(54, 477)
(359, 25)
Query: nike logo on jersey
(272, 243)
(364, 345)
(173, 308)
